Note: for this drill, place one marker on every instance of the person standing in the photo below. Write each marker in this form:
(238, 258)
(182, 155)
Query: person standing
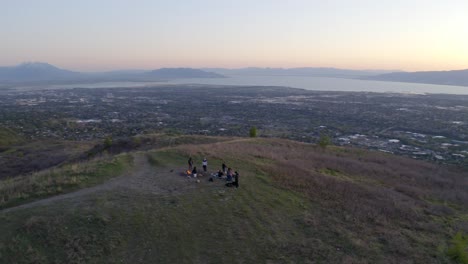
(224, 167)
(236, 179)
(205, 164)
(190, 164)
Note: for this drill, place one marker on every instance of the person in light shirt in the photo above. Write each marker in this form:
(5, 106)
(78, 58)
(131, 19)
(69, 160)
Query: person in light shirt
(205, 164)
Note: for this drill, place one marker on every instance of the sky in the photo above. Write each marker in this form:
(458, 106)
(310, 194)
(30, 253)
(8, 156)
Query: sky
(98, 35)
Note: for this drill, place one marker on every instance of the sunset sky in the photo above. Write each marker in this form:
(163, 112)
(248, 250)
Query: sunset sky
(90, 35)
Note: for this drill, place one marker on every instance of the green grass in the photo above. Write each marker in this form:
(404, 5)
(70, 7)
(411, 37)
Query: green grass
(210, 224)
(8, 137)
(165, 158)
(19, 190)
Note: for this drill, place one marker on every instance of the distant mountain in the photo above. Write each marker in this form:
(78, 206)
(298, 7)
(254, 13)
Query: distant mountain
(458, 77)
(173, 73)
(305, 71)
(35, 71)
(122, 72)
(44, 72)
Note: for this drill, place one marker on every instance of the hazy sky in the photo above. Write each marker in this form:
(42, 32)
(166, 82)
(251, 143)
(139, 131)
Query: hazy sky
(122, 34)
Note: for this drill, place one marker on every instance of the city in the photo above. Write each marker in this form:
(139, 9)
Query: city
(429, 127)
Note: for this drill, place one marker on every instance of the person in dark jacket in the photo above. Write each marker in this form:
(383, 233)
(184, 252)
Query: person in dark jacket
(190, 164)
(194, 172)
(224, 167)
(236, 179)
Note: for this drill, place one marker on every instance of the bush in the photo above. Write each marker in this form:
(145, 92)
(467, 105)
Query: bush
(108, 142)
(253, 132)
(324, 141)
(459, 249)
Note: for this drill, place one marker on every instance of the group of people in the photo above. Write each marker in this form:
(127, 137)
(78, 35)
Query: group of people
(193, 169)
(232, 178)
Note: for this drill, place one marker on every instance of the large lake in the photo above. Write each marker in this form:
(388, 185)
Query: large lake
(309, 83)
(328, 84)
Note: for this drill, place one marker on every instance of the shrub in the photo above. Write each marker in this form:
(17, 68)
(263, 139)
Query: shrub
(459, 249)
(108, 142)
(324, 141)
(253, 132)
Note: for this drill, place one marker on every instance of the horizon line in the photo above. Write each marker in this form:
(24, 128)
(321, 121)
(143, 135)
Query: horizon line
(225, 68)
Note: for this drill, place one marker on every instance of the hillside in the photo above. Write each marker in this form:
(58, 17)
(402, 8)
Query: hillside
(175, 73)
(8, 137)
(458, 77)
(297, 203)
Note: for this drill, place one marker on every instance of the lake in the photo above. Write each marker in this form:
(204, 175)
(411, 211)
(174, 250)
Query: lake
(328, 84)
(304, 82)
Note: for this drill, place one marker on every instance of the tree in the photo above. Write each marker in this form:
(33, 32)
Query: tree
(253, 132)
(136, 141)
(108, 142)
(324, 141)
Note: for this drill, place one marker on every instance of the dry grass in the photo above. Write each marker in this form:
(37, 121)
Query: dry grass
(297, 203)
(396, 206)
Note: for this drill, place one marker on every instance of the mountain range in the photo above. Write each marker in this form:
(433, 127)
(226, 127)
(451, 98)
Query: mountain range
(39, 71)
(304, 71)
(458, 77)
(182, 72)
(35, 71)
(44, 72)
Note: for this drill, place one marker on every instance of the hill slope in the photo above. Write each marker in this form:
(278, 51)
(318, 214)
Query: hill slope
(8, 137)
(459, 77)
(296, 203)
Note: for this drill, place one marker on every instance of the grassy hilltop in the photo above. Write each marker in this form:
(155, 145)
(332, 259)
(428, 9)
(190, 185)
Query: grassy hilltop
(297, 203)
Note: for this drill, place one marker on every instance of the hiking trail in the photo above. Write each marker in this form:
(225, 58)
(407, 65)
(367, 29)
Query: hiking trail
(141, 178)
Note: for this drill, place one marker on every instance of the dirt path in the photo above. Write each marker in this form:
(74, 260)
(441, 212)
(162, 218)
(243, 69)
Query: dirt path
(143, 178)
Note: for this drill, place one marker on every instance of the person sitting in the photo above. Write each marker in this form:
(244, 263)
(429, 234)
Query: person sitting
(236, 181)
(194, 172)
(229, 175)
(220, 174)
